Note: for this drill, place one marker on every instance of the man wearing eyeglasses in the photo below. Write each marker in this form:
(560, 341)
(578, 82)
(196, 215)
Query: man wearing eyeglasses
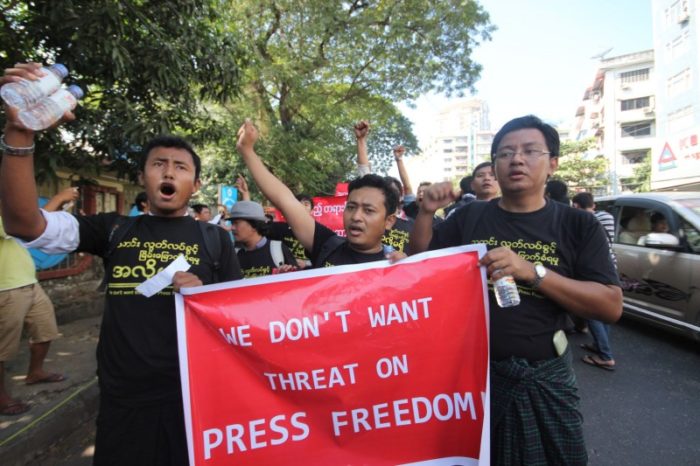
(560, 260)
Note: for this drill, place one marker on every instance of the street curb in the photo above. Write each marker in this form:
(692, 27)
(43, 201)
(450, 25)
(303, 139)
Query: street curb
(60, 419)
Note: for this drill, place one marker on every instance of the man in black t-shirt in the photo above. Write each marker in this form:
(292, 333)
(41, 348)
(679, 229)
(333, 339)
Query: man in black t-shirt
(560, 261)
(369, 211)
(141, 417)
(258, 255)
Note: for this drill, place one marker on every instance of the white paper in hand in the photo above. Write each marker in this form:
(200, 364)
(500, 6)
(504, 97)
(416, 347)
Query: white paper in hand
(164, 278)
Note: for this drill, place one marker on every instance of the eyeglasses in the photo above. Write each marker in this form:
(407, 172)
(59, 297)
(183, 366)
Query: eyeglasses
(529, 154)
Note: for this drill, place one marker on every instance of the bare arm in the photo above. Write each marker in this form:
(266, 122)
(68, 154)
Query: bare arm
(58, 200)
(20, 213)
(399, 151)
(361, 130)
(587, 299)
(242, 186)
(277, 192)
(435, 196)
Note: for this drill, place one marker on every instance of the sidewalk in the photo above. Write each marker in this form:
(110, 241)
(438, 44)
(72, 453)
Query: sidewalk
(57, 409)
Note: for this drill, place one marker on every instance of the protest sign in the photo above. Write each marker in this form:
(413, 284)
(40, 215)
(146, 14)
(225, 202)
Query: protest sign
(328, 211)
(365, 364)
(341, 189)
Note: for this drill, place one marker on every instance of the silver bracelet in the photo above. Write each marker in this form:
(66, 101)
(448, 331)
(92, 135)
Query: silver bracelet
(15, 151)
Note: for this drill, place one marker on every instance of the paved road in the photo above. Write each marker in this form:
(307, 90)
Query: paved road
(647, 412)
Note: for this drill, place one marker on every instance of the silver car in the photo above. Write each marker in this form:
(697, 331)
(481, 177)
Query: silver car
(657, 244)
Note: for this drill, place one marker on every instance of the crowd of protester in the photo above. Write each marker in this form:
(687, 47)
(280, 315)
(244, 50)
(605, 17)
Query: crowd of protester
(558, 255)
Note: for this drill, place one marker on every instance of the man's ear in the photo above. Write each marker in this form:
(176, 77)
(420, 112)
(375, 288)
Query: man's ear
(140, 175)
(553, 165)
(389, 221)
(197, 185)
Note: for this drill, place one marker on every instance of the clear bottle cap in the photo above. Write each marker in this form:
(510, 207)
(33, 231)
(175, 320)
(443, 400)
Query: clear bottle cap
(76, 91)
(59, 69)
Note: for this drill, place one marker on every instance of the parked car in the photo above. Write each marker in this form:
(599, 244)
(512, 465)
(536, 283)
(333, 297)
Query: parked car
(657, 245)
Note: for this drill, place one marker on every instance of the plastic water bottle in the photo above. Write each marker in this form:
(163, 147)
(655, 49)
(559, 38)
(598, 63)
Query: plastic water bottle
(506, 291)
(51, 108)
(25, 93)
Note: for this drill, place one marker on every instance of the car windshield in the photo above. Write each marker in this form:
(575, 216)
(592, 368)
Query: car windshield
(692, 204)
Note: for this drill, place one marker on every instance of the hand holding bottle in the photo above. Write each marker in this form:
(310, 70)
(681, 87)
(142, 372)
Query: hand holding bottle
(13, 126)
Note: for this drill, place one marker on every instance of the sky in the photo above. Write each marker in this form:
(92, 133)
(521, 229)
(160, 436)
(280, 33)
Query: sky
(539, 59)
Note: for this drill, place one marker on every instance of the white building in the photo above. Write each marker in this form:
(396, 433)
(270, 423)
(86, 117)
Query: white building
(675, 159)
(619, 111)
(462, 140)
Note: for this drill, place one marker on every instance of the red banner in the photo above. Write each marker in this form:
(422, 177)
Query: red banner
(365, 364)
(327, 211)
(341, 189)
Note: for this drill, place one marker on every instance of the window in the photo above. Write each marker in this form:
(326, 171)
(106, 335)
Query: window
(639, 129)
(678, 46)
(679, 82)
(634, 157)
(633, 104)
(691, 235)
(635, 76)
(447, 151)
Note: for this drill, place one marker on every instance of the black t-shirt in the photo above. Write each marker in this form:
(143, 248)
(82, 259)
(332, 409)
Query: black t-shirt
(398, 236)
(338, 252)
(137, 353)
(281, 231)
(568, 241)
(259, 262)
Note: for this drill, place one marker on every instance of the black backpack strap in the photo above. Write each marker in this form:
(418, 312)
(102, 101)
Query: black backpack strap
(212, 246)
(329, 247)
(120, 228)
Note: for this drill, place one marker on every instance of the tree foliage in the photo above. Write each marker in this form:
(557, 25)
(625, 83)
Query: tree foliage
(640, 182)
(317, 67)
(578, 170)
(304, 70)
(146, 66)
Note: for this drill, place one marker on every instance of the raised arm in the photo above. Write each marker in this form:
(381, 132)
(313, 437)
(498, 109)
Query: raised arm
(435, 196)
(20, 213)
(242, 186)
(58, 200)
(361, 130)
(277, 192)
(399, 152)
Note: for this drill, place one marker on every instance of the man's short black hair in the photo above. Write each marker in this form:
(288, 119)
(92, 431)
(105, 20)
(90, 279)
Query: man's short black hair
(263, 228)
(551, 136)
(301, 197)
(396, 184)
(557, 190)
(199, 207)
(657, 217)
(391, 200)
(583, 200)
(175, 142)
(479, 167)
(465, 184)
(140, 201)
